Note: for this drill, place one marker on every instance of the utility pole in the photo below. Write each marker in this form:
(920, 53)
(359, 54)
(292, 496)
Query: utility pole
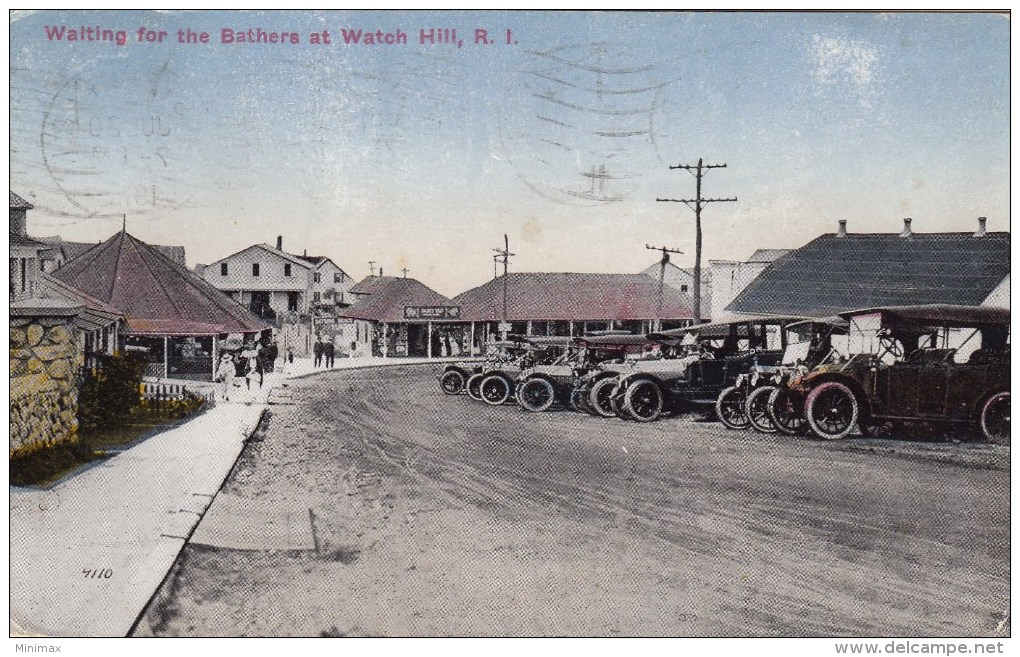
(371, 266)
(404, 271)
(662, 278)
(697, 203)
(504, 255)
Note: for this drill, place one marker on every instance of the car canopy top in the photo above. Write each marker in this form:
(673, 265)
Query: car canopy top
(935, 315)
(836, 323)
(612, 340)
(735, 325)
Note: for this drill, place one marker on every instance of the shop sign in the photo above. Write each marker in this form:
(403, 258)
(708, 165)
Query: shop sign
(431, 312)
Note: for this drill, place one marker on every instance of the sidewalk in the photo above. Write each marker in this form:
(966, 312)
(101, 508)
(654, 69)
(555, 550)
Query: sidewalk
(87, 555)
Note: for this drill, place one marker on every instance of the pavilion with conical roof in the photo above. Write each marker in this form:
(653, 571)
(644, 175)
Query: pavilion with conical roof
(172, 314)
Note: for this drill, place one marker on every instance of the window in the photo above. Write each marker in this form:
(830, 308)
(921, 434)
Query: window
(254, 269)
(223, 269)
(318, 277)
(338, 277)
(292, 301)
(286, 269)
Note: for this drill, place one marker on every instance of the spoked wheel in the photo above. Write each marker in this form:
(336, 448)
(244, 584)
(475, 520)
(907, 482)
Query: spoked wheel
(643, 400)
(473, 387)
(579, 398)
(617, 401)
(495, 389)
(452, 382)
(995, 419)
(536, 395)
(599, 399)
(831, 410)
(730, 408)
(787, 412)
(757, 409)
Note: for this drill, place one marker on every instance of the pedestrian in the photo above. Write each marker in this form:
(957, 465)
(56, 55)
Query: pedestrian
(290, 355)
(317, 350)
(225, 373)
(271, 353)
(329, 351)
(253, 370)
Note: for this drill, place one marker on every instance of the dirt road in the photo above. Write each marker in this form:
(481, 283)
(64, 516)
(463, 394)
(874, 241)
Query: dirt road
(437, 515)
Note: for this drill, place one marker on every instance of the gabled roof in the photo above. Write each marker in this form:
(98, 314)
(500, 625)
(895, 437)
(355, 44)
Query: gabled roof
(18, 203)
(573, 296)
(390, 295)
(271, 250)
(157, 295)
(834, 273)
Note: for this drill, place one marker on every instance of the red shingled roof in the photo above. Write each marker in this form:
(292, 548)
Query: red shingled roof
(387, 296)
(156, 295)
(570, 296)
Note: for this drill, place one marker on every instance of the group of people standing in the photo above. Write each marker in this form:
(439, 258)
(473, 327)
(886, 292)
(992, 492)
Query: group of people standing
(250, 364)
(324, 352)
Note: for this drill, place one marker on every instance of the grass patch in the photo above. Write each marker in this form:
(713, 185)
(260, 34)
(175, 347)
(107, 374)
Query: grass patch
(48, 465)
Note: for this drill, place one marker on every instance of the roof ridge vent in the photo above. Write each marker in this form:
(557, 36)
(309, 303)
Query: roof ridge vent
(982, 227)
(906, 228)
(842, 228)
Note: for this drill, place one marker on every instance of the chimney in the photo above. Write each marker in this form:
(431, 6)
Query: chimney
(306, 253)
(906, 228)
(982, 230)
(279, 242)
(380, 271)
(842, 228)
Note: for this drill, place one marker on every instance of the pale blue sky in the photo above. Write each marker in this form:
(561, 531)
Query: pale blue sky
(423, 156)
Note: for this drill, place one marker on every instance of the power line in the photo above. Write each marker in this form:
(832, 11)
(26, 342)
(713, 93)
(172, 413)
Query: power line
(697, 204)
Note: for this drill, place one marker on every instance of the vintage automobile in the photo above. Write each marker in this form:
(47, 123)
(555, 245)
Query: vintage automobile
(812, 343)
(728, 349)
(808, 344)
(939, 365)
(453, 378)
(495, 384)
(606, 356)
(562, 382)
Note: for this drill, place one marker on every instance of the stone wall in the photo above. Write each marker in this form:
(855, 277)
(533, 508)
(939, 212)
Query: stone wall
(45, 360)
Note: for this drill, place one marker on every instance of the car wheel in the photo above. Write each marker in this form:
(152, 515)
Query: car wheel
(757, 409)
(618, 403)
(452, 382)
(495, 389)
(995, 419)
(730, 408)
(600, 397)
(578, 398)
(474, 387)
(786, 412)
(643, 400)
(536, 395)
(831, 410)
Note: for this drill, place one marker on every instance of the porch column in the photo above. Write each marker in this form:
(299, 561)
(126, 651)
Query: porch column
(527, 331)
(571, 328)
(471, 345)
(385, 339)
(215, 345)
(166, 357)
(428, 349)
